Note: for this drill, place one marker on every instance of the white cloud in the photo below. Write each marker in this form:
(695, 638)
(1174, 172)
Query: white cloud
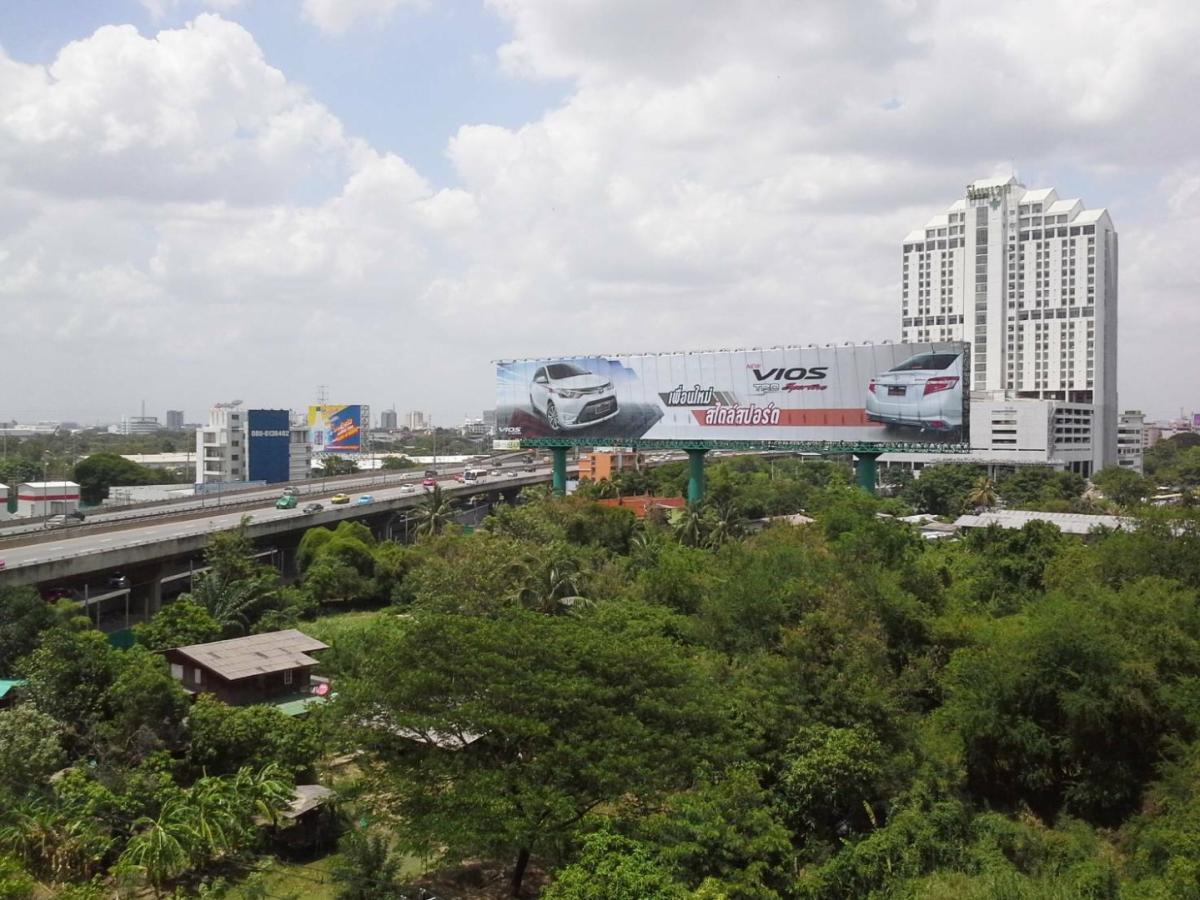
(338, 16)
(179, 217)
(159, 9)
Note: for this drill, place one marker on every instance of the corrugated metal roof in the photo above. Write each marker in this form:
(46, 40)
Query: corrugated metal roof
(1068, 523)
(255, 654)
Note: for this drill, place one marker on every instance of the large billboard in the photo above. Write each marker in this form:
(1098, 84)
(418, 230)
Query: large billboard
(337, 428)
(267, 445)
(885, 393)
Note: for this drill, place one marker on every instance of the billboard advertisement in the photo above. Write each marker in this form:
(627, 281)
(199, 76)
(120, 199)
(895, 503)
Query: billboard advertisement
(337, 428)
(268, 432)
(886, 393)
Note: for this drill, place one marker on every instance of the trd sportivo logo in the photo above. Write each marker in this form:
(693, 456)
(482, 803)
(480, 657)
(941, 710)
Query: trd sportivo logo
(771, 381)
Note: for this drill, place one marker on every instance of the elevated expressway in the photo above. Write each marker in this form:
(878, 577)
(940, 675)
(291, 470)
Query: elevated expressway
(168, 547)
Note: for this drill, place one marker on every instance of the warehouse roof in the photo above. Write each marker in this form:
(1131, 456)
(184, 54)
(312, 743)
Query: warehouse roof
(256, 654)
(1068, 523)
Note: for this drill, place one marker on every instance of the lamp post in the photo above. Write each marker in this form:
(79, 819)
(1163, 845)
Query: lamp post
(45, 483)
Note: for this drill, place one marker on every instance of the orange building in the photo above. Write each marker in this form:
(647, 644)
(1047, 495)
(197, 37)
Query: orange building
(642, 504)
(604, 465)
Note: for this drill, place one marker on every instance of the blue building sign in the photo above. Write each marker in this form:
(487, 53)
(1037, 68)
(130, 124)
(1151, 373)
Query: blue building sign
(268, 433)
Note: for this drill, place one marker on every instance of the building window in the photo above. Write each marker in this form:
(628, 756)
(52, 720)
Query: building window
(177, 671)
(196, 676)
(287, 676)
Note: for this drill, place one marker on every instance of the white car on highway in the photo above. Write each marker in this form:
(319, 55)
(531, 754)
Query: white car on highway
(924, 391)
(568, 396)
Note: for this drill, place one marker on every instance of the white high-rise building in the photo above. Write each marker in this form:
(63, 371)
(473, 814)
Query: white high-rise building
(1029, 280)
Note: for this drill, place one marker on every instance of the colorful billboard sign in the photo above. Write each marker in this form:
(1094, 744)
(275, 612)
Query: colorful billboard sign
(268, 444)
(337, 428)
(882, 393)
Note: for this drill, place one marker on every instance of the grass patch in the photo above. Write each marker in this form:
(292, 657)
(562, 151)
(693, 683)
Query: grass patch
(331, 626)
(280, 880)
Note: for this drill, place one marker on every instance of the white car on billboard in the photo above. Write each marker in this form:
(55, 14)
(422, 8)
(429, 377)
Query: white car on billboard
(568, 396)
(924, 391)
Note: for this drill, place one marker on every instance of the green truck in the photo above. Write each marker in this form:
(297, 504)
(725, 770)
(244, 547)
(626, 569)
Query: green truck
(287, 501)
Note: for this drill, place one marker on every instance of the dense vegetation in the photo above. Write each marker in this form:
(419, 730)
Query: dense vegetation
(571, 702)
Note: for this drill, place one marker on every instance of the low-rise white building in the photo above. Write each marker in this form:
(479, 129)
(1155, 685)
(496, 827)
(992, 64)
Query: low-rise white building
(47, 498)
(139, 425)
(221, 445)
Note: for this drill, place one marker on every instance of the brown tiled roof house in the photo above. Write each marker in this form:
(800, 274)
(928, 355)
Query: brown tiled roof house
(257, 668)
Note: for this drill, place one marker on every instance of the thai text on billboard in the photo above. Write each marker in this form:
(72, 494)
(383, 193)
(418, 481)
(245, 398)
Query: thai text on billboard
(881, 393)
(337, 428)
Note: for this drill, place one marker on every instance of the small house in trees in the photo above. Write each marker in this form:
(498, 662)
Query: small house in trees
(258, 668)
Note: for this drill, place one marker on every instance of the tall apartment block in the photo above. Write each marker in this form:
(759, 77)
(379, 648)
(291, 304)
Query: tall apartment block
(1030, 281)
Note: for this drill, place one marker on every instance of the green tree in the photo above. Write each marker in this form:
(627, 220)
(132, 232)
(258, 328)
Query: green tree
(612, 867)
(69, 675)
(15, 882)
(1067, 706)
(30, 749)
(332, 464)
(178, 624)
(365, 868)
(397, 463)
(1124, 487)
(99, 472)
(1038, 487)
(723, 832)
(539, 719)
(942, 489)
(23, 617)
(144, 706)
(830, 776)
(226, 738)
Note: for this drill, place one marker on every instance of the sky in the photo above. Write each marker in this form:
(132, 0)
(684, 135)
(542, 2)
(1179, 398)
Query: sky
(208, 200)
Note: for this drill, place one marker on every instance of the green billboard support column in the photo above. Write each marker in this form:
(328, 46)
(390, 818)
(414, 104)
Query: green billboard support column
(865, 470)
(695, 475)
(559, 481)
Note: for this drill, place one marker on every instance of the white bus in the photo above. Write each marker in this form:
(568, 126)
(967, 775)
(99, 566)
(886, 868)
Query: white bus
(474, 474)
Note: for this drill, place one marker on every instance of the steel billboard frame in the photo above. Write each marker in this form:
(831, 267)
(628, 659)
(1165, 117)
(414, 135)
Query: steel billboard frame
(821, 447)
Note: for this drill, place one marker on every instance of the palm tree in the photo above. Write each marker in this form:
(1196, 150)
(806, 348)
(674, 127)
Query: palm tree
(689, 526)
(234, 602)
(605, 490)
(55, 845)
(161, 851)
(983, 495)
(435, 513)
(724, 522)
(553, 588)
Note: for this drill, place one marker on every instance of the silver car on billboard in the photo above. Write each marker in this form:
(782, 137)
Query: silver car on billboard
(925, 391)
(568, 396)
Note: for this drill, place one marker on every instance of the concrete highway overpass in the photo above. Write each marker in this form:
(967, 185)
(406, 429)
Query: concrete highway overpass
(160, 551)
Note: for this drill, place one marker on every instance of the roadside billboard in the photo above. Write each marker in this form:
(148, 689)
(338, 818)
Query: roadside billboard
(267, 445)
(884, 393)
(337, 428)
